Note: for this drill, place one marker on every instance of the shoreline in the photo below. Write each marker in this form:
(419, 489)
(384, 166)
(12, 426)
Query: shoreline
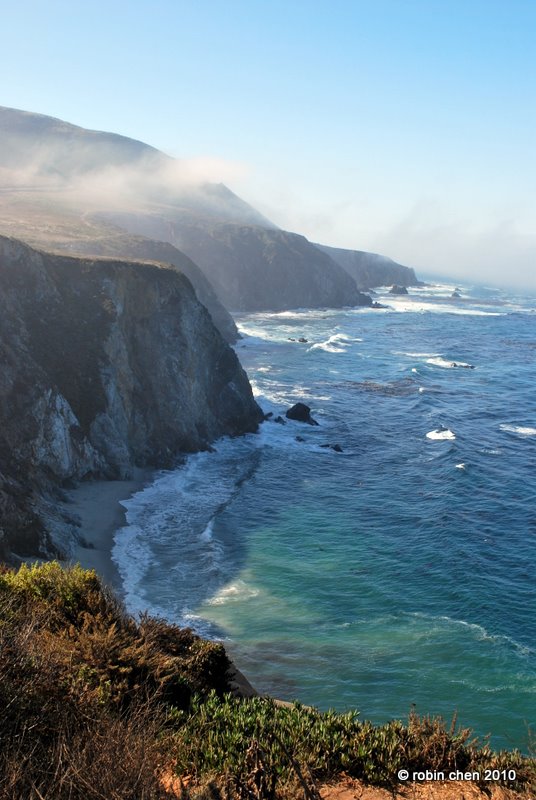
(97, 505)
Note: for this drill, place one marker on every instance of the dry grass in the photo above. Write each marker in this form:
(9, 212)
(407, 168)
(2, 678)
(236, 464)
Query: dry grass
(98, 706)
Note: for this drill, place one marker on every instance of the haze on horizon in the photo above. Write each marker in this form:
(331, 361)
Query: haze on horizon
(400, 128)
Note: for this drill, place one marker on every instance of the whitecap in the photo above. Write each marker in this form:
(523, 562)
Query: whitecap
(440, 434)
(335, 344)
(520, 430)
(441, 362)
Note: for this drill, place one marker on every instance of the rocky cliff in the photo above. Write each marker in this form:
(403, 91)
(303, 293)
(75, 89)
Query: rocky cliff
(123, 245)
(251, 268)
(371, 269)
(106, 365)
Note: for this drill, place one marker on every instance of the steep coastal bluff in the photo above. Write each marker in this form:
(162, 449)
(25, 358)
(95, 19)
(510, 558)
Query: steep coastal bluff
(252, 268)
(106, 365)
(371, 269)
(65, 187)
(123, 245)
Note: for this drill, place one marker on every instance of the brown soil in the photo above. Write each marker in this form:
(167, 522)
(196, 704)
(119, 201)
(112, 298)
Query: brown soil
(349, 789)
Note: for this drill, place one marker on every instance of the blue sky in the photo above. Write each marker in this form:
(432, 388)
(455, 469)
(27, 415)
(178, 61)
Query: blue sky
(400, 126)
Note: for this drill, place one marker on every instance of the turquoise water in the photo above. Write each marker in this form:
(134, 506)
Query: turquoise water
(400, 571)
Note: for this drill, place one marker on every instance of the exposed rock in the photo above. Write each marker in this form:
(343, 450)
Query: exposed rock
(371, 269)
(396, 289)
(280, 420)
(77, 181)
(252, 268)
(301, 413)
(303, 340)
(124, 245)
(106, 365)
(336, 447)
(456, 294)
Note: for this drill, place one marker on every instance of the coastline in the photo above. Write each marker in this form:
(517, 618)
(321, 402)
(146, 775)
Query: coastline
(97, 504)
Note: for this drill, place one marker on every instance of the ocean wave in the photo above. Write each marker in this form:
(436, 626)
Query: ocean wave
(440, 434)
(516, 688)
(442, 362)
(234, 592)
(479, 632)
(337, 343)
(520, 430)
(170, 524)
(423, 305)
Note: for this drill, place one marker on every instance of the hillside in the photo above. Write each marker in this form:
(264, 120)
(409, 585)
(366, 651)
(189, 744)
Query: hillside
(61, 186)
(107, 365)
(370, 269)
(252, 268)
(119, 244)
(99, 706)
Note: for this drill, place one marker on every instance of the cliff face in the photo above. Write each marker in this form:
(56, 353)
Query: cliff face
(105, 365)
(252, 268)
(124, 245)
(370, 269)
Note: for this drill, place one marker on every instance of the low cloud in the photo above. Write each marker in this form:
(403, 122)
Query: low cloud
(500, 254)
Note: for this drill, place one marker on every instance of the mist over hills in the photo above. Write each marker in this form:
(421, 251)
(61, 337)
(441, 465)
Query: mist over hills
(252, 268)
(63, 187)
(371, 269)
(110, 360)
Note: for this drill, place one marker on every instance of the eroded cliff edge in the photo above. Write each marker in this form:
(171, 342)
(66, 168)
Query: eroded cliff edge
(104, 365)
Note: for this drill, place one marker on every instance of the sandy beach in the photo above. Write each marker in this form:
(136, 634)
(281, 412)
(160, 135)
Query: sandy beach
(97, 505)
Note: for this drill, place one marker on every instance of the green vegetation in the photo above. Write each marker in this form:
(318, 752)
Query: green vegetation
(97, 705)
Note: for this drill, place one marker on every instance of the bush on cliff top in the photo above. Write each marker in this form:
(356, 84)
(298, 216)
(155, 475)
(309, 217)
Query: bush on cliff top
(99, 706)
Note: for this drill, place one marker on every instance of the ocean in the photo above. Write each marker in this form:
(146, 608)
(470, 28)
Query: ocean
(397, 574)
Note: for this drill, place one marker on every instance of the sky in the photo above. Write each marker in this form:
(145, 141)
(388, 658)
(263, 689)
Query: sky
(405, 127)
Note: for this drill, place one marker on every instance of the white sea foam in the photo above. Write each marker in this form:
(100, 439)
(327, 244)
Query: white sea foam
(445, 364)
(421, 306)
(328, 346)
(460, 466)
(234, 592)
(441, 434)
(170, 526)
(520, 430)
(337, 343)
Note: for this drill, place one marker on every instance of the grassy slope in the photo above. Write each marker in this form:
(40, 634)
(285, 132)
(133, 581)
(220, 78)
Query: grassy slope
(98, 705)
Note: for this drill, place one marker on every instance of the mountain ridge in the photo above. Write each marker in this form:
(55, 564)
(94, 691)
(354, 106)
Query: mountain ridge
(252, 264)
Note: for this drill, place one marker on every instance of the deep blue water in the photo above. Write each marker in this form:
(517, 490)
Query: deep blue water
(400, 571)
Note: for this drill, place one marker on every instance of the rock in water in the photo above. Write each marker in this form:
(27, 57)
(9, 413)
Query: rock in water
(301, 413)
